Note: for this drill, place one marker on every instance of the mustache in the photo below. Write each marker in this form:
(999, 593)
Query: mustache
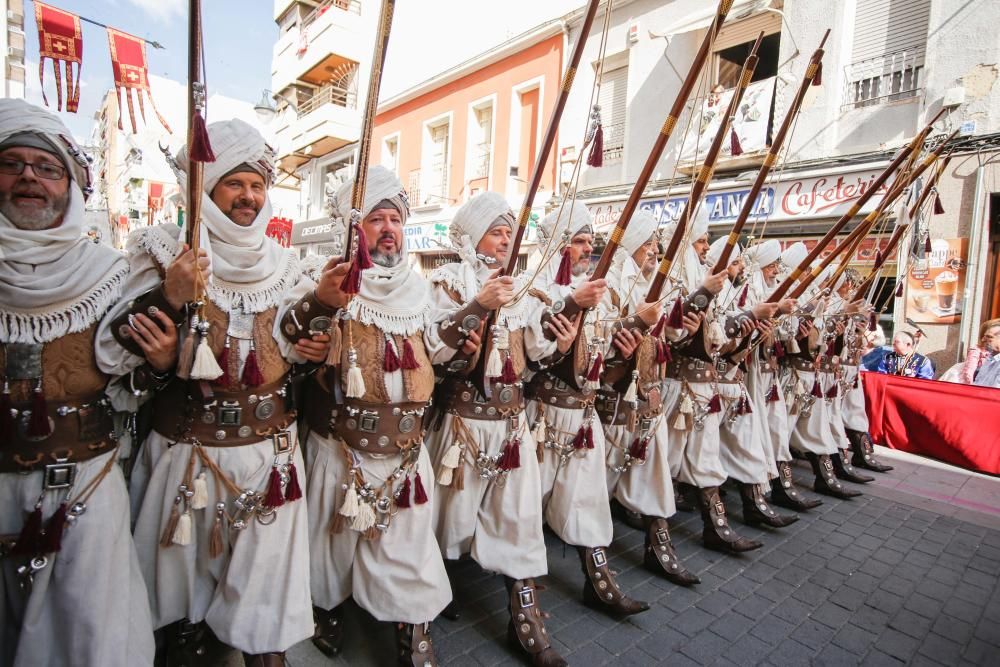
(29, 190)
(246, 203)
(387, 235)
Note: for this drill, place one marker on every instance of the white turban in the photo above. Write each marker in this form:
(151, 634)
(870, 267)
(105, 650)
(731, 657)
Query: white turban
(715, 251)
(234, 143)
(793, 255)
(573, 217)
(476, 217)
(763, 254)
(17, 116)
(380, 185)
(640, 229)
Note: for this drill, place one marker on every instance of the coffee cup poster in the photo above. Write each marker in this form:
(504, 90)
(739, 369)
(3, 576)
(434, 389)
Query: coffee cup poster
(935, 283)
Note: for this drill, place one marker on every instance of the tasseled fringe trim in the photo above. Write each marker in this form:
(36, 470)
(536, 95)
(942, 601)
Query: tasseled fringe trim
(397, 324)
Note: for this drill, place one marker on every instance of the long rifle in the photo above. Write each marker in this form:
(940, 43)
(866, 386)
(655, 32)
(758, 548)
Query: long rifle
(352, 281)
(772, 155)
(704, 176)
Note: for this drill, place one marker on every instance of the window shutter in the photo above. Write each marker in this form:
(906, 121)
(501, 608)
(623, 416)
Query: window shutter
(612, 98)
(747, 30)
(884, 27)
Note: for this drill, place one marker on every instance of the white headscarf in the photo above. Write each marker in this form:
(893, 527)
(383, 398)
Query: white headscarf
(54, 281)
(394, 299)
(715, 251)
(625, 276)
(564, 221)
(250, 271)
(691, 270)
(757, 257)
(793, 256)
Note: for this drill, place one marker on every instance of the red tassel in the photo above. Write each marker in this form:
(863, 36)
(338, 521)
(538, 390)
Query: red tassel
(872, 321)
(818, 77)
(580, 440)
(899, 289)
(878, 257)
(351, 284)
(201, 147)
(817, 391)
(667, 354)
(391, 363)
(363, 258)
(927, 243)
(661, 352)
(715, 404)
(676, 318)
(772, 395)
(29, 542)
(274, 497)
(52, 541)
(735, 148)
(419, 495)
(658, 329)
(564, 276)
(832, 391)
(252, 377)
(409, 360)
(743, 296)
(596, 156)
(403, 498)
(779, 350)
(223, 360)
(293, 491)
(7, 424)
(595, 371)
(588, 437)
(514, 456)
(38, 423)
(938, 206)
(637, 450)
(507, 375)
(831, 349)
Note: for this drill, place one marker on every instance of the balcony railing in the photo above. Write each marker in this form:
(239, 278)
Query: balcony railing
(481, 161)
(352, 6)
(341, 97)
(413, 191)
(894, 76)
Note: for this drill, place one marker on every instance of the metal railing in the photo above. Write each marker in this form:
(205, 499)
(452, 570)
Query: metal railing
(614, 142)
(481, 160)
(351, 6)
(342, 97)
(413, 189)
(894, 76)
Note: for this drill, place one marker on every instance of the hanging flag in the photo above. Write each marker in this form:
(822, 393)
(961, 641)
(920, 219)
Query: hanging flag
(280, 229)
(128, 62)
(61, 39)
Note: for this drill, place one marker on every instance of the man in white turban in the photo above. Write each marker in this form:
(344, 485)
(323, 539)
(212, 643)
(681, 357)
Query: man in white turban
(221, 532)
(490, 503)
(567, 431)
(72, 588)
(631, 401)
(371, 488)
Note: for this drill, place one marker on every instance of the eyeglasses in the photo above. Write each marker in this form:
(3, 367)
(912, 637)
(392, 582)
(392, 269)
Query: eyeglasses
(46, 170)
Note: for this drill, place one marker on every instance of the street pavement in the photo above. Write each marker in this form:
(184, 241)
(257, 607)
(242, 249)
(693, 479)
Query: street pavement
(906, 574)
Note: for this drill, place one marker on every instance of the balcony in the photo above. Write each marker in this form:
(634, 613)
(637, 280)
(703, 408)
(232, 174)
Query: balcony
(884, 79)
(335, 31)
(326, 121)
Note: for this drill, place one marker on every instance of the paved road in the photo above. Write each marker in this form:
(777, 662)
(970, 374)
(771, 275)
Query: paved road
(895, 577)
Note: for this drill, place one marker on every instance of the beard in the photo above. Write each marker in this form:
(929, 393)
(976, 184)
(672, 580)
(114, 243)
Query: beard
(580, 268)
(387, 259)
(31, 218)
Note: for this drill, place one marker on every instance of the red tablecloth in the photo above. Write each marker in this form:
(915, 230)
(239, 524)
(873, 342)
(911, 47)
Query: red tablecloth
(954, 423)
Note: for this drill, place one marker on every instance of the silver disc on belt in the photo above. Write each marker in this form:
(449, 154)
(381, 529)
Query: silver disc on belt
(264, 409)
(383, 441)
(208, 417)
(506, 395)
(245, 431)
(407, 423)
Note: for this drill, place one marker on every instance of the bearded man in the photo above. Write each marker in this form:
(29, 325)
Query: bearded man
(220, 530)
(65, 543)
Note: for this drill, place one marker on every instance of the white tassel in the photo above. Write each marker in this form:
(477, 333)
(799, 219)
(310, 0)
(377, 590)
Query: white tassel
(182, 534)
(716, 334)
(364, 519)
(793, 346)
(539, 431)
(350, 506)
(205, 366)
(680, 423)
(687, 406)
(452, 457)
(444, 476)
(355, 382)
(494, 365)
(199, 500)
(632, 393)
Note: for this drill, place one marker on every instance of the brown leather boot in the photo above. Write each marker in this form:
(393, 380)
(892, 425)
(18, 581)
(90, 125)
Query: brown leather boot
(660, 557)
(193, 645)
(717, 534)
(526, 630)
(826, 480)
(783, 491)
(845, 471)
(264, 660)
(329, 630)
(864, 452)
(682, 497)
(756, 511)
(631, 518)
(415, 646)
(600, 590)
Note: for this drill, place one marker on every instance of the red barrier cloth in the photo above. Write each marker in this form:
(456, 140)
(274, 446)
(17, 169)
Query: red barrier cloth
(61, 40)
(955, 423)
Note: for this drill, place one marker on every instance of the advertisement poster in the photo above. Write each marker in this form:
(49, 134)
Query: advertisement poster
(935, 284)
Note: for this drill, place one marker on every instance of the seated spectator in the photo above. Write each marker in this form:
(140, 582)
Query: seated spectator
(874, 349)
(989, 344)
(903, 360)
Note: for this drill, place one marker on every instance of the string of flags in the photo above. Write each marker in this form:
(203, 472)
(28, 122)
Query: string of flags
(60, 39)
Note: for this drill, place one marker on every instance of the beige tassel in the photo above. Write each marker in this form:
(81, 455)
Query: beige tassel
(355, 380)
(539, 431)
(182, 534)
(680, 423)
(452, 457)
(215, 546)
(186, 357)
(458, 478)
(444, 476)
(349, 508)
(631, 394)
(167, 537)
(364, 519)
(205, 366)
(199, 500)
(793, 346)
(716, 335)
(494, 365)
(687, 406)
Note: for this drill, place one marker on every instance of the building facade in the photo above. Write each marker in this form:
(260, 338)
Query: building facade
(889, 67)
(12, 48)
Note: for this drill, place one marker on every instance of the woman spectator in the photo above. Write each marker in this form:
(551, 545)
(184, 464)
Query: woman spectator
(965, 372)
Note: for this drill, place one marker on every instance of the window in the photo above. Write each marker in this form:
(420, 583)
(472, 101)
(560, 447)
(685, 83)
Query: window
(612, 98)
(390, 153)
(735, 41)
(887, 60)
(481, 141)
(434, 181)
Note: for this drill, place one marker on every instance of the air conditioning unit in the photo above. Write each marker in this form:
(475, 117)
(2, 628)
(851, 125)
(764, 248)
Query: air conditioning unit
(15, 52)
(14, 16)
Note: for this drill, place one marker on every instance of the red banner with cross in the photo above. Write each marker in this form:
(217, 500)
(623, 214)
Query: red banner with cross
(128, 62)
(60, 39)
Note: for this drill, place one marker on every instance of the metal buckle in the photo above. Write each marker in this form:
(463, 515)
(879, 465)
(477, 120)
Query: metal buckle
(526, 597)
(645, 424)
(600, 560)
(59, 475)
(661, 536)
(282, 442)
(368, 422)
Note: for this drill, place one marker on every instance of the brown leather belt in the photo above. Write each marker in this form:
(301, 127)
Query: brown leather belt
(380, 428)
(227, 419)
(692, 370)
(468, 403)
(809, 365)
(615, 412)
(549, 390)
(80, 429)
